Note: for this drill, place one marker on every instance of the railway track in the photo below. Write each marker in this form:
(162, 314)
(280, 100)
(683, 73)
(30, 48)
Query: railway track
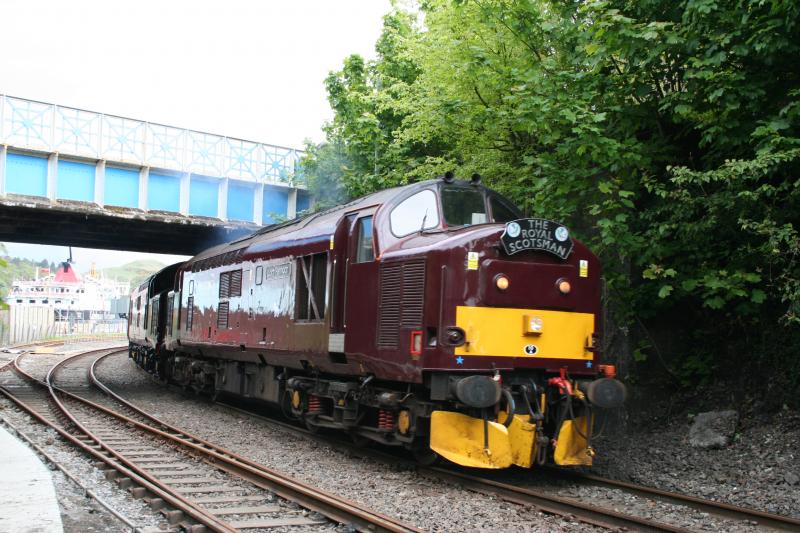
(546, 502)
(197, 485)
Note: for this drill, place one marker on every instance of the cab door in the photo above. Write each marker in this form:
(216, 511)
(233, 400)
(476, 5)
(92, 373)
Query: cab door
(361, 290)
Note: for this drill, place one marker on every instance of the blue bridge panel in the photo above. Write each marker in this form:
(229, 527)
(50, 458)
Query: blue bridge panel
(163, 192)
(240, 201)
(203, 196)
(303, 201)
(121, 187)
(276, 203)
(26, 174)
(75, 181)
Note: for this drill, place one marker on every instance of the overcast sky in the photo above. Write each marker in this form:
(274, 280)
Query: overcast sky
(249, 69)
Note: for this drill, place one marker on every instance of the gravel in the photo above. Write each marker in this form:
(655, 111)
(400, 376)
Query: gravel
(759, 468)
(760, 459)
(79, 513)
(388, 488)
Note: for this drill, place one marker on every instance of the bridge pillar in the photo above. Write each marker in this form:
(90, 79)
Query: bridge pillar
(258, 204)
(222, 199)
(144, 175)
(291, 208)
(100, 182)
(184, 198)
(3, 152)
(52, 176)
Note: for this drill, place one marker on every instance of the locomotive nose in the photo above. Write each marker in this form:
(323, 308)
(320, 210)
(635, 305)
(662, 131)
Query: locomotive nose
(606, 393)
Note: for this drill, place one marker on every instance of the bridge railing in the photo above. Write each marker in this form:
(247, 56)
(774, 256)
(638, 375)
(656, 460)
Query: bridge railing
(28, 124)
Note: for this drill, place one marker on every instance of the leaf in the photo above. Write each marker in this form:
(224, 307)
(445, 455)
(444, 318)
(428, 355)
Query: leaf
(664, 291)
(758, 296)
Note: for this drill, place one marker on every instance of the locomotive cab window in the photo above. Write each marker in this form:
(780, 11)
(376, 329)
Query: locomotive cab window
(501, 211)
(463, 206)
(416, 213)
(364, 251)
(311, 280)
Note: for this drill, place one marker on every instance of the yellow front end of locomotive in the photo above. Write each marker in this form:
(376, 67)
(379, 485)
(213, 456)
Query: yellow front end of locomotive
(539, 333)
(469, 441)
(463, 440)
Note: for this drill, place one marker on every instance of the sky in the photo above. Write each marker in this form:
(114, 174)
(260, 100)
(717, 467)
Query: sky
(249, 69)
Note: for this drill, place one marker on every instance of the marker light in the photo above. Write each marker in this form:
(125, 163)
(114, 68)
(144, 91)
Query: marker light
(416, 343)
(501, 281)
(563, 286)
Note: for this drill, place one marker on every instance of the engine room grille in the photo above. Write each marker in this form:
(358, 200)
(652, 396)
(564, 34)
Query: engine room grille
(224, 284)
(402, 297)
(189, 313)
(222, 315)
(236, 283)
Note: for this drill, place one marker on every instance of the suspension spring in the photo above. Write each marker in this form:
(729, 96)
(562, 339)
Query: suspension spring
(314, 404)
(386, 420)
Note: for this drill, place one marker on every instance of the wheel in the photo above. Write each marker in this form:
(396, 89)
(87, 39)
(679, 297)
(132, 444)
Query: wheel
(310, 426)
(424, 455)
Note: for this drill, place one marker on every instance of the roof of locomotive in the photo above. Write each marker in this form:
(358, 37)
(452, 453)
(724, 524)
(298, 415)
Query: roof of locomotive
(314, 225)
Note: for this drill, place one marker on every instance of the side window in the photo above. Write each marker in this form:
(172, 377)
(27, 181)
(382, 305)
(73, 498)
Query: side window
(259, 275)
(311, 286)
(415, 213)
(364, 251)
(154, 319)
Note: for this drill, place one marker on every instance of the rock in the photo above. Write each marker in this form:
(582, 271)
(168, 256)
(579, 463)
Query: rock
(791, 478)
(713, 429)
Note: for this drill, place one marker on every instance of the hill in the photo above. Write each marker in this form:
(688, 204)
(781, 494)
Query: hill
(134, 272)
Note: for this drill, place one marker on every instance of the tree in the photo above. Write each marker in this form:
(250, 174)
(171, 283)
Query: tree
(666, 133)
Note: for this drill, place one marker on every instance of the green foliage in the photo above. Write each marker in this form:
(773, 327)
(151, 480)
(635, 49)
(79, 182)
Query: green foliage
(667, 133)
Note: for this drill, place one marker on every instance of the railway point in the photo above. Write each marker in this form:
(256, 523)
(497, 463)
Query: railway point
(28, 502)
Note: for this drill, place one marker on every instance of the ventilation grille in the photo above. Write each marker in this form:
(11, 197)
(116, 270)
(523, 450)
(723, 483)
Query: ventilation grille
(413, 294)
(389, 314)
(402, 298)
(225, 285)
(170, 308)
(189, 313)
(236, 283)
(222, 315)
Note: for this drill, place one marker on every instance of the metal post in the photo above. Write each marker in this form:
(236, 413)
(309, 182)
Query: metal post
(3, 152)
(52, 176)
(100, 182)
(184, 195)
(291, 209)
(222, 200)
(258, 204)
(144, 175)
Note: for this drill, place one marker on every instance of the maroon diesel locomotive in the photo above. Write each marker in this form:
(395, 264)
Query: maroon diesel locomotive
(433, 316)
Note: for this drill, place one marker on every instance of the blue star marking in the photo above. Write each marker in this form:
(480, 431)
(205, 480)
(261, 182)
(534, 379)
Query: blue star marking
(588, 364)
(459, 360)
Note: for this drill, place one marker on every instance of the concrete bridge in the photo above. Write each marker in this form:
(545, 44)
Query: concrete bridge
(75, 177)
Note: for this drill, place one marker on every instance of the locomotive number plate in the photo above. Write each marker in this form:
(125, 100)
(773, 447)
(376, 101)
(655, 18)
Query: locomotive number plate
(537, 234)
